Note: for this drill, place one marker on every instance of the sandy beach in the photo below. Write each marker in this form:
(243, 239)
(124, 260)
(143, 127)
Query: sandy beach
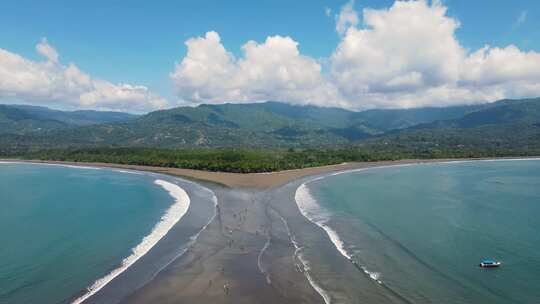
(259, 181)
(231, 180)
(246, 255)
(251, 252)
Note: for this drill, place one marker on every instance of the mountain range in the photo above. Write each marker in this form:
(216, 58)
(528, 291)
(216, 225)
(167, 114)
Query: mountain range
(505, 123)
(24, 119)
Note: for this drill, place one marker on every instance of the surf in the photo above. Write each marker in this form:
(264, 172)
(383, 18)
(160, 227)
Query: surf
(175, 212)
(305, 264)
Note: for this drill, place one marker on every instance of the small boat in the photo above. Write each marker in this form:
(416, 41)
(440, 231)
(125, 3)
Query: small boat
(489, 264)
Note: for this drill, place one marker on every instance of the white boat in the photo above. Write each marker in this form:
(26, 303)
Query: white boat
(489, 264)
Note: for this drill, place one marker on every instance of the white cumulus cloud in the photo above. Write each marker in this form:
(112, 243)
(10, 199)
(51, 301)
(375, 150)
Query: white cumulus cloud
(406, 48)
(403, 56)
(47, 51)
(346, 18)
(272, 70)
(51, 83)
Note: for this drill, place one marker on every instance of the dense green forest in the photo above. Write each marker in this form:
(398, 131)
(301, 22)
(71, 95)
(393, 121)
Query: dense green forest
(270, 136)
(251, 161)
(256, 125)
(228, 160)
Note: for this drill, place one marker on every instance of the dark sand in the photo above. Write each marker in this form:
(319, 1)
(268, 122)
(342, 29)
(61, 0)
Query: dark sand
(251, 180)
(248, 247)
(228, 253)
(238, 180)
(246, 254)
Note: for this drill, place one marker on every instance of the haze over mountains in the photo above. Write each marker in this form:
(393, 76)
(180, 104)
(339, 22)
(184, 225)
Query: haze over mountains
(24, 119)
(276, 125)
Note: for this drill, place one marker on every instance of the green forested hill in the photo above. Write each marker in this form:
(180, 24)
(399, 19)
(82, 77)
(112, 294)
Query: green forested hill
(22, 119)
(509, 126)
(404, 118)
(525, 111)
(276, 125)
(17, 121)
(77, 118)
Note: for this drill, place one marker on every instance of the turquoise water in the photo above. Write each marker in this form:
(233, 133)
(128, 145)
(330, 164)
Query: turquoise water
(422, 230)
(62, 228)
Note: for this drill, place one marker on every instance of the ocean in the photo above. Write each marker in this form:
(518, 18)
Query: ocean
(418, 232)
(67, 231)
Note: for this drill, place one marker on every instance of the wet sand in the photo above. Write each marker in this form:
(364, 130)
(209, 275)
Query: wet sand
(246, 254)
(240, 180)
(232, 262)
(231, 180)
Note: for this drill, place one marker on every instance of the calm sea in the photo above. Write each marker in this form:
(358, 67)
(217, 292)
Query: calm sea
(420, 231)
(62, 228)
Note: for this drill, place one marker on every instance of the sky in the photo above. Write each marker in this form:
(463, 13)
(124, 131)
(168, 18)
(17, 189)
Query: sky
(139, 56)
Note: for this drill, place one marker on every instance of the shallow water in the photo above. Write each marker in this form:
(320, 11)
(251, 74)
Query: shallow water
(420, 231)
(62, 228)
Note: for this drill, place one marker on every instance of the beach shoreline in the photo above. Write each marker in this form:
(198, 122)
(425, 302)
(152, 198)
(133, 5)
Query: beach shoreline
(305, 204)
(250, 252)
(259, 181)
(173, 218)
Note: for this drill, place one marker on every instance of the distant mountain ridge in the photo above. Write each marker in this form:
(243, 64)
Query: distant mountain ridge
(512, 126)
(77, 117)
(501, 112)
(24, 119)
(266, 125)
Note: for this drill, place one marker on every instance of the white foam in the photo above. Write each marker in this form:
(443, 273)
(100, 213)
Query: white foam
(128, 171)
(375, 276)
(76, 166)
(318, 215)
(305, 264)
(49, 164)
(434, 162)
(259, 261)
(177, 210)
(192, 238)
(320, 291)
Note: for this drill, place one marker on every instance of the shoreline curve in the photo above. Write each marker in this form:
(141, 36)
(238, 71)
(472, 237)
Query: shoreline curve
(175, 212)
(319, 216)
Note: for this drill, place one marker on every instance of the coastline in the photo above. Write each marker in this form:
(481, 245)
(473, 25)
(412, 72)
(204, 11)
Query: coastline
(179, 215)
(258, 181)
(172, 245)
(320, 217)
(171, 217)
(254, 244)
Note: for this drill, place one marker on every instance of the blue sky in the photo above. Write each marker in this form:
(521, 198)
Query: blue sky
(139, 42)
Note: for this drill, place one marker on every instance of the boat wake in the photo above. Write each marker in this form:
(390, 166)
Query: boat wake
(175, 212)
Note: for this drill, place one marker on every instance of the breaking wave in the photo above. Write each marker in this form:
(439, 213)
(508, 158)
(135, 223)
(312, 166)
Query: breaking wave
(175, 212)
